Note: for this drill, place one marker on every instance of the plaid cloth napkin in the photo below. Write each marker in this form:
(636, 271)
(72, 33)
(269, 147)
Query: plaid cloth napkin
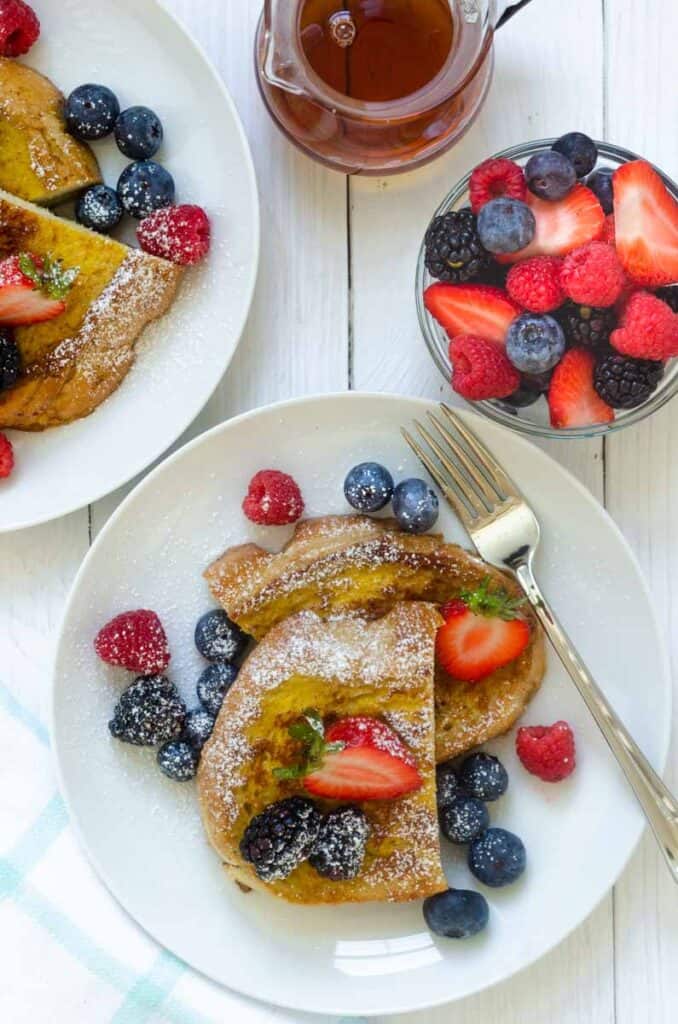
(69, 953)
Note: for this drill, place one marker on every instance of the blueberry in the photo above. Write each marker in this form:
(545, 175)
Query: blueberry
(464, 818)
(415, 506)
(497, 857)
(368, 487)
(579, 149)
(484, 776)
(600, 183)
(447, 784)
(198, 727)
(219, 639)
(524, 396)
(91, 111)
(99, 208)
(213, 685)
(178, 760)
(144, 187)
(550, 175)
(535, 343)
(506, 225)
(138, 132)
(456, 913)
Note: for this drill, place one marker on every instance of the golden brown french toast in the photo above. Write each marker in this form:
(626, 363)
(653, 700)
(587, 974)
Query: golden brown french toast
(353, 564)
(39, 160)
(340, 668)
(76, 360)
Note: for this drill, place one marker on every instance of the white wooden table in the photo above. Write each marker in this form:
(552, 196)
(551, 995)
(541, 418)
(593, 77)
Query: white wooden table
(334, 310)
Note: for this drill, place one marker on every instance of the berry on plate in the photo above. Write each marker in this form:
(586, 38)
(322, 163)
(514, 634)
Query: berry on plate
(6, 457)
(494, 178)
(579, 149)
(646, 225)
(535, 284)
(481, 633)
(180, 234)
(19, 28)
(33, 289)
(480, 369)
(339, 850)
(150, 711)
(358, 758)
(138, 133)
(273, 499)
(91, 111)
(368, 487)
(563, 225)
(592, 275)
(198, 727)
(218, 638)
(648, 328)
(178, 760)
(276, 841)
(535, 343)
(10, 359)
(415, 505)
(600, 183)
(99, 208)
(547, 751)
(550, 175)
(506, 225)
(463, 818)
(478, 309)
(625, 383)
(447, 783)
(590, 326)
(145, 186)
(456, 913)
(483, 776)
(497, 857)
(213, 685)
(134, 640)
(573, 401)
(453, 250)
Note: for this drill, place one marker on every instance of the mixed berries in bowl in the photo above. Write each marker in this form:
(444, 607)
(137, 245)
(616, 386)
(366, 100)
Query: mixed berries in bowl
(547, 287)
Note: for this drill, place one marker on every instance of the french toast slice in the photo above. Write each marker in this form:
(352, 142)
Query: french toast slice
(76, 360)
(353, 564)
(341, 668)
(39, 160)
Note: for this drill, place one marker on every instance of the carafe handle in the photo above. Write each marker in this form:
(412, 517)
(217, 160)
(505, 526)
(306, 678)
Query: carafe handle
(505, 9)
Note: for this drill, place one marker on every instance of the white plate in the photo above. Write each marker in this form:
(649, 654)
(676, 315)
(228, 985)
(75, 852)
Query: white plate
(143, 832)
(144, 55)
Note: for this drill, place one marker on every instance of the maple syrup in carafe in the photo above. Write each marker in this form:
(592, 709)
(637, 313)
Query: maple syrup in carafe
(376, 50)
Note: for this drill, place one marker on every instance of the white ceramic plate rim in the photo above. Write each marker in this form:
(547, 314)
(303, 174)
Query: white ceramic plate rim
(423, 404)
(248, 289)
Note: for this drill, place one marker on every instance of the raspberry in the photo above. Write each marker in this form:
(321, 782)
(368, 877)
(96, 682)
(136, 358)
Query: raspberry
(535, 284)
(648, 329)
(19, 28)
(6, 457)
(547, 751)
(180, 234)
(608, 235)
(592, 275)
(134, 640)
(273, 499)
(481, 369)
(494, 178)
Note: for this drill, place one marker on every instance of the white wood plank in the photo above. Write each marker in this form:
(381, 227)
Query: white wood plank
(642, 495)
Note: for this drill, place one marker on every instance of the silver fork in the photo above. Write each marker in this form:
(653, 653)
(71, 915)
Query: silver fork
(506, 533)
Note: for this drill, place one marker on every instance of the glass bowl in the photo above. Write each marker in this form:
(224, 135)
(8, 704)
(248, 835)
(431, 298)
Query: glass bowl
(534, 419)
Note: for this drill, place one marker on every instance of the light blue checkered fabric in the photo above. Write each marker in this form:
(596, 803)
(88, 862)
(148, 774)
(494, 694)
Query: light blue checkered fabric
(70, 953)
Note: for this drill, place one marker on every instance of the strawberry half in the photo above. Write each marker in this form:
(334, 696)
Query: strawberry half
(481, 633)
(32, 289)
(477, 309)
(359, 758)
(573, 401)
(646, 225)
(561, 226)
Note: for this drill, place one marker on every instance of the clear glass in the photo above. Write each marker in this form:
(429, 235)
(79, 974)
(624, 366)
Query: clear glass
(534, 420)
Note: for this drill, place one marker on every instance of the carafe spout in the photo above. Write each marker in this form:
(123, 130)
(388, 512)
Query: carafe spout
(280, 64)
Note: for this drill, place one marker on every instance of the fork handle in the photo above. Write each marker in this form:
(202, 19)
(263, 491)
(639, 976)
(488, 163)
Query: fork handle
(659, 805)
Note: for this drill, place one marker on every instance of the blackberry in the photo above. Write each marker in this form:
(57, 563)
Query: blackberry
(276, 841)
(339, 850)
(623, 382)
(149, 711)
(454, 251)
(10, 359)
(589, 326)
(669, 295)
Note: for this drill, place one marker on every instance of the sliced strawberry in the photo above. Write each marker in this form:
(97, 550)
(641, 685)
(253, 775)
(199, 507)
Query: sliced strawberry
(481, 633)
(363, 731)
(573, 402)
(477, 309)
(646, 224)
(561, 226)
(32, 289)
(363, 773)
